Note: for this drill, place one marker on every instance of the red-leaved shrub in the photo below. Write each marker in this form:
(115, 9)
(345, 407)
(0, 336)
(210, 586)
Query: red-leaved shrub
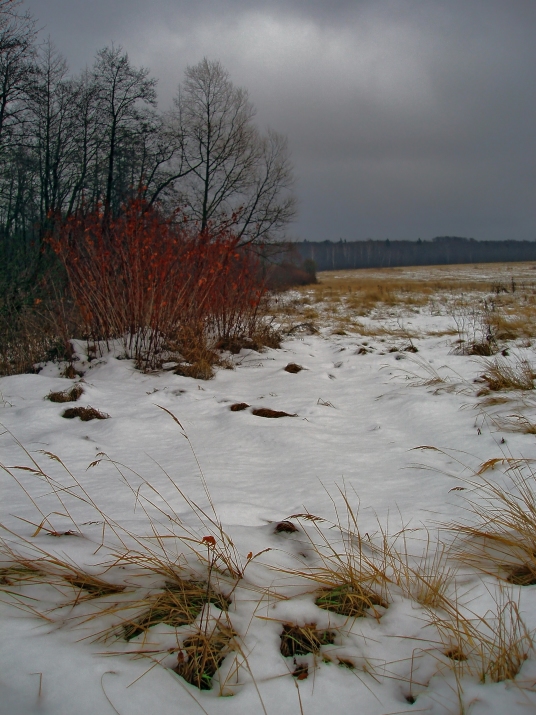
(149, 280)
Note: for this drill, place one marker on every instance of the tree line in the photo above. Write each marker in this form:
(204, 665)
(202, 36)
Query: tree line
(72, 143)
(339, 255)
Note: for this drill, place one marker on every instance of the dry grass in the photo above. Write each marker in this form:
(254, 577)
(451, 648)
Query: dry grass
(467, 292)
(179, 604)
(350, 572)
(499, 535)
(427, 577)
(515, 423)
(301, 640)
(202, 654)
(503, 375)
(492, 647)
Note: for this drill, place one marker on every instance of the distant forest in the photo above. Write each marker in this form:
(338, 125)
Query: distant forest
(339, 255)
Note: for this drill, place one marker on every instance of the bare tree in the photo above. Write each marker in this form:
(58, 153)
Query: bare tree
(17, 50)
(124, 94)
(237, 177)
(52, 108)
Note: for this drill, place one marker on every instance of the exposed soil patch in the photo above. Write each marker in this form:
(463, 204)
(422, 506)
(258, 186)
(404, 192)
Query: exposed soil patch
(293, 368)
(85, 413)
(285, 527)
(239, 406)
(266, 412)
(524, 575)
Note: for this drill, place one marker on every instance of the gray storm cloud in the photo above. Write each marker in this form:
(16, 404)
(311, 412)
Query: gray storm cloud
(405, 118)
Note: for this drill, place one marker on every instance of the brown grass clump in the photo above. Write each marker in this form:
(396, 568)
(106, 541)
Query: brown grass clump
(293, 368)
(501, 375)
(492, 647)
(499, 538)
(202, 654)
(267, 412)
(71, 395)
(179, 604)
(199, 370)
(301, 640)
(349, 571)
(85, 413)
(425, 578)
(348, 601)
(239, 406)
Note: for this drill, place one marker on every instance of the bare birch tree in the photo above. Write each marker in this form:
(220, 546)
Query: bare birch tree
(237, 177)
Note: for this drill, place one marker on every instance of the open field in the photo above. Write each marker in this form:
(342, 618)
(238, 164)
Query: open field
(350, 299)
(370, 548)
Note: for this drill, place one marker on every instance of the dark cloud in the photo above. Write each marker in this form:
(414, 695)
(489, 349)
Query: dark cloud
(406, 118)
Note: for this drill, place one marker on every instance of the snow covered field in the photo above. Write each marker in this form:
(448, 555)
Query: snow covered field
(208, 491)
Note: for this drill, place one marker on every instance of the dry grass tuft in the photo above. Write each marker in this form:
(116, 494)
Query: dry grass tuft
(502, 375)
(349, 571)
(267, 412)
(85, 413)
(301, 640)
(202, 654)
(239, 406)
(198, 370)
(293, 368)
(499, 537)
(426, 578)
(492, 647)
(179, 604)
(71, 395)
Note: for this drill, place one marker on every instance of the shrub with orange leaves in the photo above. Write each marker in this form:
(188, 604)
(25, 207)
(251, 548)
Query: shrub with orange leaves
(147, 279)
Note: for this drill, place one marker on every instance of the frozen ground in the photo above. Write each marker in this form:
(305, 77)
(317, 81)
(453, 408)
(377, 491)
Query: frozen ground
(361, 406)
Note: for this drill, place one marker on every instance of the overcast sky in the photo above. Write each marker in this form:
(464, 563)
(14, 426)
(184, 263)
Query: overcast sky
(405, 118)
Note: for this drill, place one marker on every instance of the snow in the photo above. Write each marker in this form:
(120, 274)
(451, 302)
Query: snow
(359, 419)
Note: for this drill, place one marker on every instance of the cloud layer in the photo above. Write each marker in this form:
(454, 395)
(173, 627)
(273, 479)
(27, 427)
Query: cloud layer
(405, 118)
